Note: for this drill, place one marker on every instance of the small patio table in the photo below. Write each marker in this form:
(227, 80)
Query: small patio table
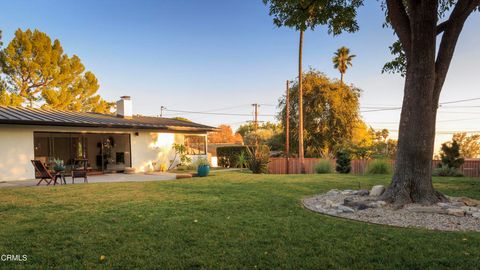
(59, 175)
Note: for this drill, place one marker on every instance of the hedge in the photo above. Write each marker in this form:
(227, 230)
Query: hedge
(227, 155)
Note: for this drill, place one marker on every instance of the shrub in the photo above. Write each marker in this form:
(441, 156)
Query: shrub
(450, 155)
(259, 157)
(201, 161)
(228, 155)
(379, 166)
(242, 160)
(444, 170)
(343, 162)
(324, 166)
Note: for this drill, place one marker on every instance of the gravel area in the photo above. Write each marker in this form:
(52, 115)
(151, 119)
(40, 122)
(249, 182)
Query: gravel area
(454, 216)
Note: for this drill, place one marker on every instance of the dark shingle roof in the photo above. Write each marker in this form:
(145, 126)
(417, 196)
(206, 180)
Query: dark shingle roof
(46, 117)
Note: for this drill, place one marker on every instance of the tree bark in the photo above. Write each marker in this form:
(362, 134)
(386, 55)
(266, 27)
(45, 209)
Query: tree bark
(417, 30)
(412, 179)
(300, 105)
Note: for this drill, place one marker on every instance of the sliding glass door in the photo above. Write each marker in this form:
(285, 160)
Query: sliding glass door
(104, 152)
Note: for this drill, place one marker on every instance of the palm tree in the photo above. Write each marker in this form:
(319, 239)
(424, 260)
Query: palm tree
(342, 60)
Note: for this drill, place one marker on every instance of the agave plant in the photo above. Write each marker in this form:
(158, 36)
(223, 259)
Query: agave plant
(242, 160)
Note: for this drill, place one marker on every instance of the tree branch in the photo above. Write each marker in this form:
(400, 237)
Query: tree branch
(400, 22)
(451, 32)
(442, 26)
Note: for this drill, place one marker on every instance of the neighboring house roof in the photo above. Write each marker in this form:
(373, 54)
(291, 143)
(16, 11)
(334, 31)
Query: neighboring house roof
(47, 117)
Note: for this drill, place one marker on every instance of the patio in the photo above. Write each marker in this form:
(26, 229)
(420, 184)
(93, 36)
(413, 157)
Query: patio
(104, 178)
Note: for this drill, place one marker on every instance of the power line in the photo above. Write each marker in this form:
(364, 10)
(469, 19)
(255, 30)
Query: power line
(218, 113)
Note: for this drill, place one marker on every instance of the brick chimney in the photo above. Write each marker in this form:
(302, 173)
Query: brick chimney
(124, 107)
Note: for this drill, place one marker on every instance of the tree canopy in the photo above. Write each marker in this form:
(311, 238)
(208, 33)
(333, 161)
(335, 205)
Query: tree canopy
(337, 15)
(224, 134)
(331, 113)
(469, 144)
(35, 68)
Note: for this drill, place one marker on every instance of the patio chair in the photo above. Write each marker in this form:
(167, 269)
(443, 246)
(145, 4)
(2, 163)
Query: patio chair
(42, 173)
(79, 170)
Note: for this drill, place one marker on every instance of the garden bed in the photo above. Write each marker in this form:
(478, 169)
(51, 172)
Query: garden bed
(460, 214)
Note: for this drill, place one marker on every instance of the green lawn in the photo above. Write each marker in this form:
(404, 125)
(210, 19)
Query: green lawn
(229, 220)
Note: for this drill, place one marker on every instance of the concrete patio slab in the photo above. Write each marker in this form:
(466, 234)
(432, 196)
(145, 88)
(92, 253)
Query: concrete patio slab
(104, 178)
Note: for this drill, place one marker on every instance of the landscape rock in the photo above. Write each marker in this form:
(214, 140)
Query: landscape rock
(347, 192)
(363, 192)
(444, 205)
(456, 212)
(377, 204)
(356, 205)
(345, 209)
(457, 204)
(469, 201)
(476, 215)
(333, 192)
(469, 210)
(377, 190)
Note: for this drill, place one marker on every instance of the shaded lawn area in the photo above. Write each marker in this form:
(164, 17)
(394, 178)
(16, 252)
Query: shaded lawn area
(244, 221)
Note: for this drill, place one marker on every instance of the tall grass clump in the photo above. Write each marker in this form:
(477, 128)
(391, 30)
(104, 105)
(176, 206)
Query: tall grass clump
(324, 166)
(379, 166)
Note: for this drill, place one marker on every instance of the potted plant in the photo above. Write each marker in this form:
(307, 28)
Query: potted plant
(58, 165)
(203, 167)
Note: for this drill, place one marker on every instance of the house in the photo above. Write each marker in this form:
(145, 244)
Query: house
(110, 143)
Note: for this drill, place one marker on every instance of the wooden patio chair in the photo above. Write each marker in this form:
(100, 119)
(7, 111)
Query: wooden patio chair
(42, 173)
(79, 170)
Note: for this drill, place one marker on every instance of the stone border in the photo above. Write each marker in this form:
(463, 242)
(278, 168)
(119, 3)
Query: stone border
(460, 214)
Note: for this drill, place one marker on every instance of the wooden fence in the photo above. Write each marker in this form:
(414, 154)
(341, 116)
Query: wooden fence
(471, 167)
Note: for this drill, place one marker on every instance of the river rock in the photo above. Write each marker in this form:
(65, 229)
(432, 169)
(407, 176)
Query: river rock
(345, 209)
(333, 192)
(469, 201)
(377, 190)
(363, 192)
(456, 212)
(377, 204)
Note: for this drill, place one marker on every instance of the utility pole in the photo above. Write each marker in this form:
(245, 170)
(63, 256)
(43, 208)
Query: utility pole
(161, 111)
(300, 106)
(287, 127)
(255, 105)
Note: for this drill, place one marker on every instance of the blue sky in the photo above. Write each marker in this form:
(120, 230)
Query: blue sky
(206, 55)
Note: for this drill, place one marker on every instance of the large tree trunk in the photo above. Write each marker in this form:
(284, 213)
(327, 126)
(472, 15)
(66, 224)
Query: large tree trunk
(412, 179)
(417, 29)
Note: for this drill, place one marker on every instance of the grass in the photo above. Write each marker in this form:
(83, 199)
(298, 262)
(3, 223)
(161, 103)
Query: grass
(225, 221)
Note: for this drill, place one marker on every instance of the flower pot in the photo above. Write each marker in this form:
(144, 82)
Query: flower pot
(203, 170)
(59, 168)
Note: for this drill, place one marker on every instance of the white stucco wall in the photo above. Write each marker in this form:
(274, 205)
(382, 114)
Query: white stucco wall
(148, 148)
(16, 152)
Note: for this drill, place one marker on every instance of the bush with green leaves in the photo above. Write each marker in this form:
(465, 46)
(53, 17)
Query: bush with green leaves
(228, 155)
(450, 155)
(343, 160)
(242, 160)
(201, 161)
(444, 170)
(259, 157)
(379, 166)
(324, 166)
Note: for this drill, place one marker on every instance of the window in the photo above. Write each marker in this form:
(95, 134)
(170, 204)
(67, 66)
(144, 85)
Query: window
(195, 144)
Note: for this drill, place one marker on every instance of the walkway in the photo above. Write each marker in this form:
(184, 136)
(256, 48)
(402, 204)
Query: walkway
(104, 178)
